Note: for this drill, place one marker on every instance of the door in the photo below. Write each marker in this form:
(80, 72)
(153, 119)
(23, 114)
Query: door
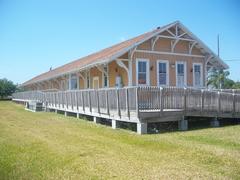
(197, 75)
(181, 74)
(95, 82)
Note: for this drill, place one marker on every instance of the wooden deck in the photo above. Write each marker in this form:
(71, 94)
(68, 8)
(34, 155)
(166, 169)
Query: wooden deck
(140, 104)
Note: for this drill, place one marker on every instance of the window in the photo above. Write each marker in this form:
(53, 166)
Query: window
(105, 76)
(162, 72)
(197, 75)
(73, 82)
(142, 72)
(180, 74)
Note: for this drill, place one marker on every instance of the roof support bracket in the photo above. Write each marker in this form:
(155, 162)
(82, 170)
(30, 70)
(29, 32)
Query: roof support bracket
(81, 75)
(173, 44)
(101, 68)
(131, 52)
(170, 32)
(121, 64)
(191, 45)
(154, 42)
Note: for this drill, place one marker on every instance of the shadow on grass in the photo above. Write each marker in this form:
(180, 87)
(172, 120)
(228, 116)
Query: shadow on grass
(194, 123)
(6, 99)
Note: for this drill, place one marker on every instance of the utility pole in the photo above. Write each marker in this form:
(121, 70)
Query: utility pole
(220, 83)
(218, 45)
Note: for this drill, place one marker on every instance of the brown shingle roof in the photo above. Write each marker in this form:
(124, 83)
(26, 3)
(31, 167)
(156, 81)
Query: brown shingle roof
(90, 59)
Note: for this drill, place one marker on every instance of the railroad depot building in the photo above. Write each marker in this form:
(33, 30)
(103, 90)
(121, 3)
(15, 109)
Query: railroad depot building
(159, 76)
(167, 56)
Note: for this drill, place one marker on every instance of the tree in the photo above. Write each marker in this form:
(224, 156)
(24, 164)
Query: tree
(7, 88)
(219, 79)
(229, 84)
(236, 85)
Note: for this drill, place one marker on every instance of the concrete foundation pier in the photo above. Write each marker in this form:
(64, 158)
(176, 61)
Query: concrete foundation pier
(142, 128)
(96, 119)
(114, 124)
(183, 125)
(214, 123)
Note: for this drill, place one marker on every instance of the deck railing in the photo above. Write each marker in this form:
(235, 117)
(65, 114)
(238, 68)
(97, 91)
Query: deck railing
(134, 101)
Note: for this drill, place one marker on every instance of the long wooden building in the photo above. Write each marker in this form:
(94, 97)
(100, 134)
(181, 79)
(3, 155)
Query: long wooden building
(159, 76)
(167, 56)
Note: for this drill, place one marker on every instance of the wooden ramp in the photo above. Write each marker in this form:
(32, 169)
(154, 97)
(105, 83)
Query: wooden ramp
(140, 104)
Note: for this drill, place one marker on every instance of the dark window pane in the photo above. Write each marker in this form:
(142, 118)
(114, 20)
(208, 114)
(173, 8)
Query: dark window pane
(162, 79)
(180, 69)
(162, 68)
(142, 66)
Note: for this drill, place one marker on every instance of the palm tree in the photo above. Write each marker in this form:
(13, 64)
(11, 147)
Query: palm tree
(218, 79)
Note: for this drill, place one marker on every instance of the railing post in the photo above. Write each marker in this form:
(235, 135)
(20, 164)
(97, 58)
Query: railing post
(72, 99)
(62, 93)
(202, 100)
(219, 103)
(76, 97)
(127, 103)
(234, 103)
(118, 103)
(107, 103)
(185, 101)
(98, 107)
(161, 100)
(66, 100)
(55, 99)
(137, 103)
(59, 99)
(89, 100)
(46, 103)
(83, 103)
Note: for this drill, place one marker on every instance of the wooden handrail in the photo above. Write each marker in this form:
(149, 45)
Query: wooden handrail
(145, 99)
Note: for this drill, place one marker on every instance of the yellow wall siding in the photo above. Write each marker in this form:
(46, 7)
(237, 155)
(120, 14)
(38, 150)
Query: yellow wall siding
(182, 47)
(196, 51)
(172, 70)
(81, 83)
(114, 71)
(145, 46)
(165, 45)
(95, 72)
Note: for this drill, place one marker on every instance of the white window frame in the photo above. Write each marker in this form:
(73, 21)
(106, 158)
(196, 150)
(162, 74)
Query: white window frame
(167, 72)
(201, 75)
(147, 72)
(185, 72)
(107, 77)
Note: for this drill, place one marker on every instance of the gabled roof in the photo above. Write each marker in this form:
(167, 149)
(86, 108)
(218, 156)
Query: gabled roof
(109, 54)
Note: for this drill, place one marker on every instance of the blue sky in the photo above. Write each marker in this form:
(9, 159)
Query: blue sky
(36, 35)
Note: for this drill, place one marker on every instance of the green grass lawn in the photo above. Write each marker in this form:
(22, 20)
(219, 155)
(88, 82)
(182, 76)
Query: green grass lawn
(51, 146)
